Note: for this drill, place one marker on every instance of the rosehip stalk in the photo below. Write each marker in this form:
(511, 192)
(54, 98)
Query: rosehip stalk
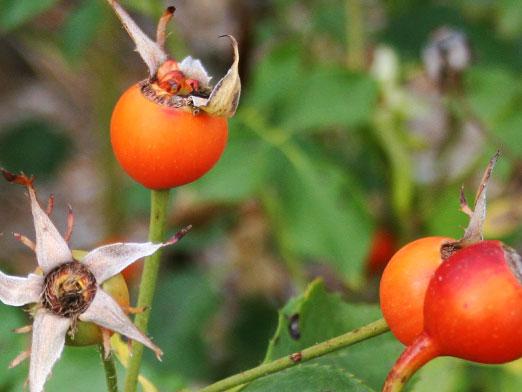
(158, 218)
(166, 131)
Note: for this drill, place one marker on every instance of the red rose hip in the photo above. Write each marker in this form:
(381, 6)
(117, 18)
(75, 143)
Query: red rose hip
(472, 310)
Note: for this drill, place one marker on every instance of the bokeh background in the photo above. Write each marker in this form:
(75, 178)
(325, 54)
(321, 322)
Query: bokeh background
(358, 123)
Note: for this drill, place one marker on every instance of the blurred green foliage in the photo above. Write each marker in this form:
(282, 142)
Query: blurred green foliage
(34, 146)
(327, 154)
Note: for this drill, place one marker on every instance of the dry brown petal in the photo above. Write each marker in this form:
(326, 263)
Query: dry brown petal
(151, 53)
(224, 98)
(474, 231)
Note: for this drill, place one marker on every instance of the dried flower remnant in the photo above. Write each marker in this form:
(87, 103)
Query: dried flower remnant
(69, 290)
(446, 56)
(186, 84)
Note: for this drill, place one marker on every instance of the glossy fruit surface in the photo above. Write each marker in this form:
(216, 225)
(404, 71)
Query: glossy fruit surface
(473, 307)
(162, 147)
(404, 283)
(472, 311)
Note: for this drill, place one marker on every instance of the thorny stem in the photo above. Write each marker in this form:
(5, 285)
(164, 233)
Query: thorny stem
(357, 335)
(355, 35)
(110, 371)
(158, 217)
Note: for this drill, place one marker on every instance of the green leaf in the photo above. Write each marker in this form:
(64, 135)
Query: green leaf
(443, 216)
(189, 300)
(309, 377)
(448, 374)
(321, 316)
(492, 93)
(79, 369)
(81, 27)
(508, 131)
(321, 220)
(241, 171)
(11, 345)
(14, 13)
(276, 80)
(510, 18)
(331, 97)
(34, 147)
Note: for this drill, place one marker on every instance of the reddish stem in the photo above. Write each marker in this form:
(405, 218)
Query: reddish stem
(421, 351)
(161, 32)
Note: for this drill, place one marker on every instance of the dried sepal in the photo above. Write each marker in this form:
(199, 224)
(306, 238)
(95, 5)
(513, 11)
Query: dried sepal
(161, 32)
(23, 329)
(106, 342)
(477, 216)
(475, 228)
(26, 241)
(109, 260)
(17, 291)
(47, 344)
(151, 53)
(26, 354)
(464, 206)
(51, 249)
(106, 312)
(20, 179)
(70, 224)
(224, 98)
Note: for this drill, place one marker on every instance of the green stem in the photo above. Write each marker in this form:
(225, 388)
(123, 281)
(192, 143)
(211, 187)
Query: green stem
(110, 371)
(355, 35)
(388, 133)
(158, 218)
(357, 335)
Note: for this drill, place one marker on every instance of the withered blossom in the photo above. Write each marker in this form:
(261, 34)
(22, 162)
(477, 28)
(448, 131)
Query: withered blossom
(69, 290)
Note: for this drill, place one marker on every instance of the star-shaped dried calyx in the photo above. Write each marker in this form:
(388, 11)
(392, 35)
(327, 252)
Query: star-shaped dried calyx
(184, 85)
(69, 290)
(477, 216)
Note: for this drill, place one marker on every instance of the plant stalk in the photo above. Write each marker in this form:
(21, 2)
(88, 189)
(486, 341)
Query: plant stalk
(357, 335)
(110, 371)
(355, 59)
(158, 219)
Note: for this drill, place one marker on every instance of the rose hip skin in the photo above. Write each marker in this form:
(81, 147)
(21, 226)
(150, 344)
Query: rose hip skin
(404, 283)
(472, 310)
(162, 147)
(473, 305)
